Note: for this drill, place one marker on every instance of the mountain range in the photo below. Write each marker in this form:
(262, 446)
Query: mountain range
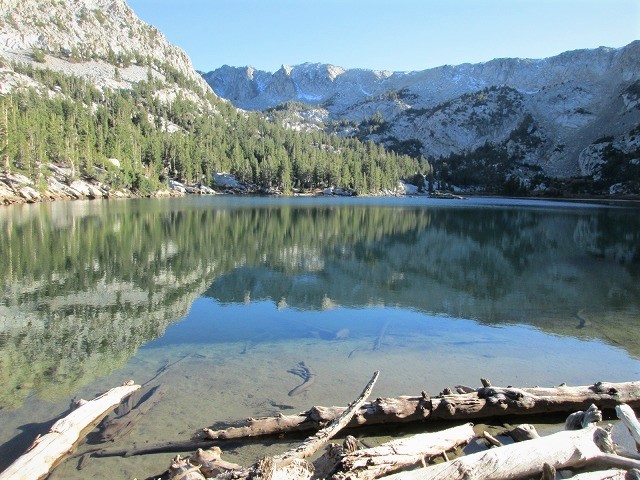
(572, 116)
(568, 124)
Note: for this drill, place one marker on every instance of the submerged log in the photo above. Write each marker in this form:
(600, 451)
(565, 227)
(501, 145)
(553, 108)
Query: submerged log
(483, 403)
(47, 451)
(117, 427)
(567, 449)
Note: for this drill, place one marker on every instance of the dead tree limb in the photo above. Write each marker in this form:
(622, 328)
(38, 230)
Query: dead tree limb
(493, 441)
(611, 474)
(312, 444)
(401, 454)
(567, 449)
(628, 417)
(483, 403)
(291, 465)
(47, 451)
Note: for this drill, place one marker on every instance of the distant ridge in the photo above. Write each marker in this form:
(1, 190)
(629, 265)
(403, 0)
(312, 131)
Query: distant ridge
(547, 116)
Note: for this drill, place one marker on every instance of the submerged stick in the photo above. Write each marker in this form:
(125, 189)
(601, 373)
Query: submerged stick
(305, 373)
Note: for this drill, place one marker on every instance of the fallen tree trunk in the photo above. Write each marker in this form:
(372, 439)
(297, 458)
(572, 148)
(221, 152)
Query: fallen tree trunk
(401, 454)
(47, 451)
(567, 449)
(483, 403)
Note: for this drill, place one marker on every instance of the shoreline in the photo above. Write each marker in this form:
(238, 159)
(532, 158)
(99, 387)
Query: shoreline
(16, 189)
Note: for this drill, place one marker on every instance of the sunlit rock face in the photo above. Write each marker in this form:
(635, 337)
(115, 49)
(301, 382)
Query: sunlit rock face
(546, 114)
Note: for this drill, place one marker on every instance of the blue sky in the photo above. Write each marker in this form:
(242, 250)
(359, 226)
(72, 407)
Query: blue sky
(386, 35)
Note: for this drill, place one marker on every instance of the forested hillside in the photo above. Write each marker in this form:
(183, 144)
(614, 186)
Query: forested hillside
(101, 119)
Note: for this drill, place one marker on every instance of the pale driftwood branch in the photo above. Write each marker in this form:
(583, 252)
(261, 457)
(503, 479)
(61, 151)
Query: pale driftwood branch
(493, 441)
(312, 444)
(565, 449)
(400, 454)
(48, 450)
(628, 417)
(611, 474)
(483, 403)
(523, 432)
(578, 420)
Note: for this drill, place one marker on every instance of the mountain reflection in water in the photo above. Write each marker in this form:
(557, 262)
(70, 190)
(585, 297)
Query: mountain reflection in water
(85, 284)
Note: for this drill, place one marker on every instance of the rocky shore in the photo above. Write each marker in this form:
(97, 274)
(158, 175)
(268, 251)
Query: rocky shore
(61, 184)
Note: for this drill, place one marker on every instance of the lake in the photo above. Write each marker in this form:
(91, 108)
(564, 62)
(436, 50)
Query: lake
(230, 293)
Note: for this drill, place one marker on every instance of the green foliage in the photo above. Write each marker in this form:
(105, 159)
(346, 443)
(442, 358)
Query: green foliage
(290, 107)
(621, 167)
(38, 55)
(526, 133)
(410, 146)
(132, 127)
(100, 17)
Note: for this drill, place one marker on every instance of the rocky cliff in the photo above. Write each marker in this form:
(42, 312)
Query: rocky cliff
(572, 115)
(88, 38)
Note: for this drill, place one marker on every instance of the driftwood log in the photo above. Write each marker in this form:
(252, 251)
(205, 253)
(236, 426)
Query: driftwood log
(484, 402)
(400, 454)
(611, 474)
(628, 417)
(47, 451)
(288, 466)
(583, 445)
(567, 449)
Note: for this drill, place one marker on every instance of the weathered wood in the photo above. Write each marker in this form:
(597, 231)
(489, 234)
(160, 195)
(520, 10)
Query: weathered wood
(291, 465)
(401, 454)
(548, 472)
(523, 432)
(611, 474)
(567, 449)
(633, 474)
(578, 420)
(312, 444)
(493, 441)
(628, 417)
(210, 462)
(484, 403)
(181, 469)
(164, 447)
(47, 451)
(327, 463)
